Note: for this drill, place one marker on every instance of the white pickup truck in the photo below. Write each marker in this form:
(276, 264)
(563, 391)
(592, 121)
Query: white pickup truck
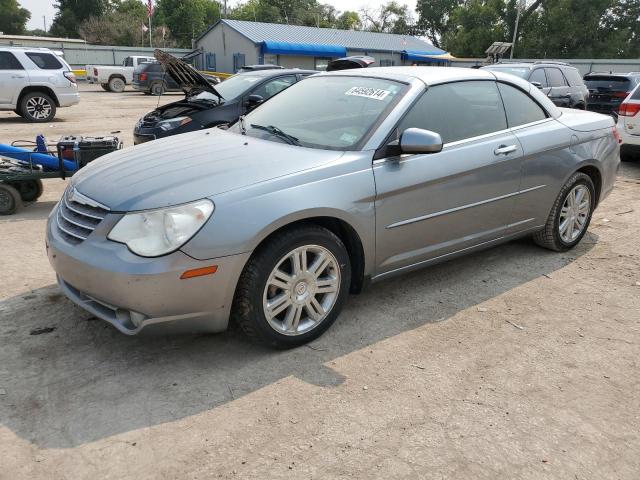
(114, 78)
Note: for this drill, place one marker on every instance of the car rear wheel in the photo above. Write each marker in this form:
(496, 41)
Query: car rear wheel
(293, 288)
(570, 215)
(116, 84)
(30, 190)
(157, 88)
(10, 200)
(37, 107)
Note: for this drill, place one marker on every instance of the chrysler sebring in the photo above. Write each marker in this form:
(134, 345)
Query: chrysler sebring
(342, 179)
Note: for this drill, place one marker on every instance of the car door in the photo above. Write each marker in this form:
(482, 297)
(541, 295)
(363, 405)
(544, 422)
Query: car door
(13, 78)
(268, 89)
(560, 94)
(431, 205)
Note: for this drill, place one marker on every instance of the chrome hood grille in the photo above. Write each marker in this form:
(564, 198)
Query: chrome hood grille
(78, 215)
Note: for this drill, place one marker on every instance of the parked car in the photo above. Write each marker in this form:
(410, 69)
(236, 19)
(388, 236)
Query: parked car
(206, 106)
(34, 82)
(559, 81)
(344, 178)
(151, 78)
(629, 125)
(113, 78)
(608, 90)
(347, 63)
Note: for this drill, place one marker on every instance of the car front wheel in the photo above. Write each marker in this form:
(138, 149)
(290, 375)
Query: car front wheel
(570, 215)
(293, 288)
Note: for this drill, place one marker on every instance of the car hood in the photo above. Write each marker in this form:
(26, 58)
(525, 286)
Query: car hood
(177, 109)
(187, 167)
(185, 75)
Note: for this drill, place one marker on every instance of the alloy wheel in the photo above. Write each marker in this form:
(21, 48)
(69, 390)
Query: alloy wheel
(574, 213)
(38, 108)
(301, 290)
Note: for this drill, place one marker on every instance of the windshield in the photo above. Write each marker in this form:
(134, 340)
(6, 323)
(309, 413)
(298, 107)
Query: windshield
(334, 113)
(606, 83)
(231, 88)
(521, 72)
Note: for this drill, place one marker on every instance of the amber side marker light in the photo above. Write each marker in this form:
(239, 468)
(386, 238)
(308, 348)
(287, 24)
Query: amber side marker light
(199, 272)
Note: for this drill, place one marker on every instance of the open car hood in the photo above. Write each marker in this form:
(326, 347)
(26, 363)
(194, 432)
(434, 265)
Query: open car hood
(184, 74)
(347, 63)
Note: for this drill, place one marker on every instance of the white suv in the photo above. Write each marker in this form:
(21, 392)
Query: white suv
(629, 125)
(34, 82)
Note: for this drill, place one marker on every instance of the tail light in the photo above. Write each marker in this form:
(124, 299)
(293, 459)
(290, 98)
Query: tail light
(70, 76)
(143, 77)
(628, 109)
(616, 135)
(95, 72)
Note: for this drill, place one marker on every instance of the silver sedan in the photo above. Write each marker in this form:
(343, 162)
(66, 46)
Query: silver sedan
(343, 179)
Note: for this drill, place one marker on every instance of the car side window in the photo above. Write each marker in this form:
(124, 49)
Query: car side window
(556, 79)
(520, 107)
(458, 110)
(538, 76)
(8, 61)
(573, 76)
(128, 62)
(45, 61)
(276, 85)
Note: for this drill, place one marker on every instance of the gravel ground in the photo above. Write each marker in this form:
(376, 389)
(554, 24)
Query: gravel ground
(515, 362)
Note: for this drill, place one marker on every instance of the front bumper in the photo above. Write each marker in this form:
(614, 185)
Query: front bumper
(134, 293)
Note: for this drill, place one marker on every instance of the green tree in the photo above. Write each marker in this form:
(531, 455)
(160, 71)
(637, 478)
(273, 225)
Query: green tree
(391, 17)
(186, 18)
(71, 13)
(13, 18)
(434, 18)
(475, 25)
(349, 21)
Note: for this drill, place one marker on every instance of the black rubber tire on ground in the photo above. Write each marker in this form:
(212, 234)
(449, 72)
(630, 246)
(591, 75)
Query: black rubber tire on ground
(157, 88)
(105, 87)
(549, 237)
(41, 100)
(30, 190)
(10, 201)
(247, 310)
(116, 85)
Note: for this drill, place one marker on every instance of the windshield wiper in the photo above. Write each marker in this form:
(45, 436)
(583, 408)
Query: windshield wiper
(276, 132)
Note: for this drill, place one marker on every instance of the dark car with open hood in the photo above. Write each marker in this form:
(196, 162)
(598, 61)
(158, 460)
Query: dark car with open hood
(206, 106)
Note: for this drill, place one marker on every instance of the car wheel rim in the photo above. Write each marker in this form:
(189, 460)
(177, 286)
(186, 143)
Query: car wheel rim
(574, 213)
(38, 107)
(5, 200)
(301, 290)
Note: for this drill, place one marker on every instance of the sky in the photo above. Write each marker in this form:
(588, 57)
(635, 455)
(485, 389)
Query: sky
(39, 8)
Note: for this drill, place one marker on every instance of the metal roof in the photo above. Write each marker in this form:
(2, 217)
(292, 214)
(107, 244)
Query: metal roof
(259, 32)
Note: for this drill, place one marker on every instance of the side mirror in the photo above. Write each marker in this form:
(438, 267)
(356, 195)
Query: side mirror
(253, 101)
(417, 140)
(537, 85)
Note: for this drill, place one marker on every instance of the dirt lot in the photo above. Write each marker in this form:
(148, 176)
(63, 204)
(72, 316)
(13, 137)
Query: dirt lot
(511, 363)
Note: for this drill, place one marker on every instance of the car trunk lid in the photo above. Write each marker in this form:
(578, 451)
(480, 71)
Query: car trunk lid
(584, 121)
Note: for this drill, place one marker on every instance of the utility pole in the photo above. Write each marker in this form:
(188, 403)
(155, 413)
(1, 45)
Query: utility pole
(44, 23)
(519, 5)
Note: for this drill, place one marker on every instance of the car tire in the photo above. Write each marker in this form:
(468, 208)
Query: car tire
(157, 88)
(570, 215)
(116, 85)
(279, 305)
(29, 190)
(37, 107)
(10, 201)
(105, 87)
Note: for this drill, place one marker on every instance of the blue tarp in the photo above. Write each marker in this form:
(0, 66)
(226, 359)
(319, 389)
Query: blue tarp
(310, 49)
(417, 56)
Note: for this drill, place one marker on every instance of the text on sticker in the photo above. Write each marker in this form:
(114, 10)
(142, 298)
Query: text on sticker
(368, 92)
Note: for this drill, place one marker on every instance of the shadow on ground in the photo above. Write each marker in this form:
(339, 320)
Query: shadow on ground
(84, 381)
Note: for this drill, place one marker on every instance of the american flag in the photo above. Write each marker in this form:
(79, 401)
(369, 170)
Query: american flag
(149, 8)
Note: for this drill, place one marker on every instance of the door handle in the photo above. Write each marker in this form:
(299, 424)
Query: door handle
(505, 149)
(17, 76)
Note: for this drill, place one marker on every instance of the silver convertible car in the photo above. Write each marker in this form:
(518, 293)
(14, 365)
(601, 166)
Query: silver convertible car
(344, 178)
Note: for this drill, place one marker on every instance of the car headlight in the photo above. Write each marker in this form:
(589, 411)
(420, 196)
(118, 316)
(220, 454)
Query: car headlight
(157, 232)
(173, 123)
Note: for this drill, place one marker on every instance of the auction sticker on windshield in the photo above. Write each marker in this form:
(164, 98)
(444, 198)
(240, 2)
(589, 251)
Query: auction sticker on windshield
(368, 92)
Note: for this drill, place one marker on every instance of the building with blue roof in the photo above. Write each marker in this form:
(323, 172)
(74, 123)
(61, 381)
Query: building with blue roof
(228, 45)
